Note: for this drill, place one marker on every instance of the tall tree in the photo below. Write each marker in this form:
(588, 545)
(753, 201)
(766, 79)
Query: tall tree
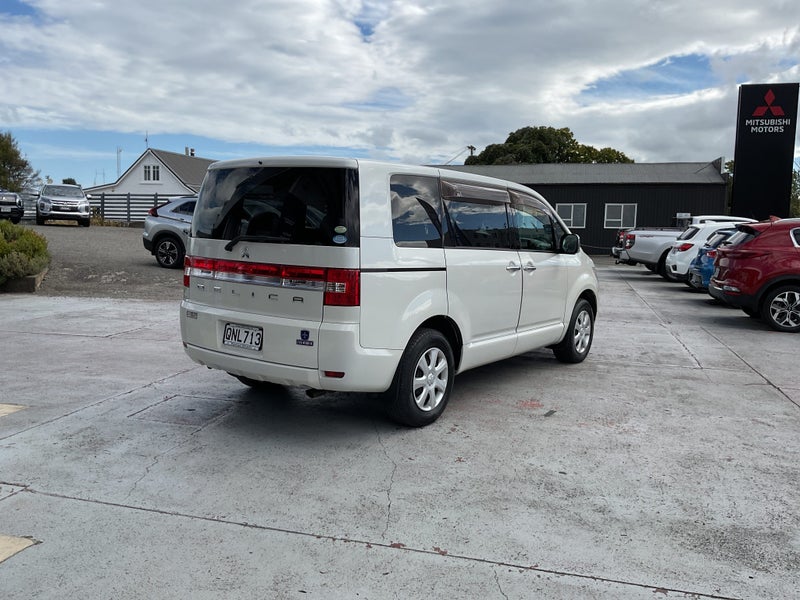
(544, 145)
(16, 172)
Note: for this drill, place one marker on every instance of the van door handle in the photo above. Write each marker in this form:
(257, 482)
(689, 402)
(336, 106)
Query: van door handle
(512, 266)
(529, 268)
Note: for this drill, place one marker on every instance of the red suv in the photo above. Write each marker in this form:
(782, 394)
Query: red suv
(758, 270)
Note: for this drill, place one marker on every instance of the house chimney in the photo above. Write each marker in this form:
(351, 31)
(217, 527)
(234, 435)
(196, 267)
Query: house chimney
(191, 151)
(186, 150)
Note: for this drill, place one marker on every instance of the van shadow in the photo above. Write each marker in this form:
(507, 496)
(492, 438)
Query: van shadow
(287, 411)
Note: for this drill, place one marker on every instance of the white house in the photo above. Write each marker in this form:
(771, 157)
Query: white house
(159, 172)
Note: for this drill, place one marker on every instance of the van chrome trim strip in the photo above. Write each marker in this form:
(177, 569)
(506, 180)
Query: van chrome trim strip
(405, 270)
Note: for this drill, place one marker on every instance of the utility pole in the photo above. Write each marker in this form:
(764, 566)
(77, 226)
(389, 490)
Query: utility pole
(119, 152)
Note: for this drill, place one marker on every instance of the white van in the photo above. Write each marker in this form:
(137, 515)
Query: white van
(354, 275)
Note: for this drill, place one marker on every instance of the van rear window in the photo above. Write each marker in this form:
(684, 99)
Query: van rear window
(313, 206)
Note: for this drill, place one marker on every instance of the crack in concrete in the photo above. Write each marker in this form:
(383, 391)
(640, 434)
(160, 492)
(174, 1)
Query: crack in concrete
(391, 484)
(499, 587)
(384, 546)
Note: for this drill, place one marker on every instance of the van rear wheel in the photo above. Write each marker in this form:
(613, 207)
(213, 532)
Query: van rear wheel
(423, 381)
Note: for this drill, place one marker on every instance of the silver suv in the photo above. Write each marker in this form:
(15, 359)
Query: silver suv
(166, 229)
(63, 202)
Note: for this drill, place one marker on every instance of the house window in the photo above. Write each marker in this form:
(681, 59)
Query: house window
(574, 215)
(619, 216)
(152, 173)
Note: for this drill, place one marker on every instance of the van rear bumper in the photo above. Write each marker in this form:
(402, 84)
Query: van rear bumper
(363, 369)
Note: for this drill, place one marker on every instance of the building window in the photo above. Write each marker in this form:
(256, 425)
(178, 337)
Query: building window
(619, 216)
(573, 215)
(152, 173)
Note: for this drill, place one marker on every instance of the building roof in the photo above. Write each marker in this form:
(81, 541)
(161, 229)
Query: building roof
(189, 169)
(594, 173)
(186, 168)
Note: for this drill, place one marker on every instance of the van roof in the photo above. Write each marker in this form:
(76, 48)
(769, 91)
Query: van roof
(354, 163)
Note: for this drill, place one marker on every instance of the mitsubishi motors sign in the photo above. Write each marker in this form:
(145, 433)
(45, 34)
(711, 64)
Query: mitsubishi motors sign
(765, 135)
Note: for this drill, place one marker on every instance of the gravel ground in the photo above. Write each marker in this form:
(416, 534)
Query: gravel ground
(104, 262)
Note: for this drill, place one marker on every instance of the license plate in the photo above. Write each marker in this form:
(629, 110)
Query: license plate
(5, 209)
(243, 336)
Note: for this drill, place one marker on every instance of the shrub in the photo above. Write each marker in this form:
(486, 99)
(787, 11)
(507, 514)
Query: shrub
(23, 252)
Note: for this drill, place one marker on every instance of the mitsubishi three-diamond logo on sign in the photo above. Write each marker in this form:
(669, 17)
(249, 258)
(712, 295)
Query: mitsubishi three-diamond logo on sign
(768, 109)
(769, 98)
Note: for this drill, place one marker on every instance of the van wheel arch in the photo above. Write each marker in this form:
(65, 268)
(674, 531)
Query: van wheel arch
(450, 330)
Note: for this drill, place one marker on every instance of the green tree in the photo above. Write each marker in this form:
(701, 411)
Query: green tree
(16, 172)
(69, 180)
(544, 145)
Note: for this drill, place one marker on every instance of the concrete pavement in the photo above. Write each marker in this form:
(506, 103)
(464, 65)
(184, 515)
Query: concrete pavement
(667, 464)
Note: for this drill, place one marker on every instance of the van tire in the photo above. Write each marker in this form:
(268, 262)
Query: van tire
(578, 339)
(423, 380)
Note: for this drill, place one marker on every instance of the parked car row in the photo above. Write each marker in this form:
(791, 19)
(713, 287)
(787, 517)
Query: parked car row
(754, 266)
(654, 246)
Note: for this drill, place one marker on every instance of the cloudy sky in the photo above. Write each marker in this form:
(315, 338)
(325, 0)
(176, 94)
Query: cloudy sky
(84, 82)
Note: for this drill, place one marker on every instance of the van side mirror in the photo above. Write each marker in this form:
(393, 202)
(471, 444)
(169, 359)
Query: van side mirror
(570, 243)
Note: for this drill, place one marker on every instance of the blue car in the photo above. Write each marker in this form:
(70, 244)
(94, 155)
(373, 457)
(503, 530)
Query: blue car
(702, 266)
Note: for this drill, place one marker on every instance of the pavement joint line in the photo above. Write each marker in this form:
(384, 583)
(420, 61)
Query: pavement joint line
(749, 366)
(99, 402)
(386, 546)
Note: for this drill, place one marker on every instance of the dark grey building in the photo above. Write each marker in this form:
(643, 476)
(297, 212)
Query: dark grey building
(597, 199)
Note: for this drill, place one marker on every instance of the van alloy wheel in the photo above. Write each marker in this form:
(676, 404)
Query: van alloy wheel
(430, 379)
(580, 332)
(424, 378)
(781, 309)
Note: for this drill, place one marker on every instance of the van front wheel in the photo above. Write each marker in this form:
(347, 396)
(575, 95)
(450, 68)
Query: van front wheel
(424, 378)
(580, 332)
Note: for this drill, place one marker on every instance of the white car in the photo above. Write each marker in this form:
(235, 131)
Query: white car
(360, 276)
(688, 244)
(63, 202)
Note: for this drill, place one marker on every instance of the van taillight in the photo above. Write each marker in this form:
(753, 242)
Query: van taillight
(193, 265)
(343, 287)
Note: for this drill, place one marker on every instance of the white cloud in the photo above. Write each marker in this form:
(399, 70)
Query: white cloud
(411, 80)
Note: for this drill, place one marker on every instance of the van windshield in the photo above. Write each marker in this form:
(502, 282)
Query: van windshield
(314, 206)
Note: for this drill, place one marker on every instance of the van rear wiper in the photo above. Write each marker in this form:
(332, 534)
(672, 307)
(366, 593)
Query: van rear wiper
(254, 238)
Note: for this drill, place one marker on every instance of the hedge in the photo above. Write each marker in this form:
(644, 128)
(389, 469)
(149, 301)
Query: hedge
(23, 252)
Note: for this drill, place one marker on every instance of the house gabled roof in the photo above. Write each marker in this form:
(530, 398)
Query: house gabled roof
(189, 169)
(606, 173)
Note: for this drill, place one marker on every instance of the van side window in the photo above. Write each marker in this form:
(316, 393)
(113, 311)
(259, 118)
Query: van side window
(477, 224)
(536, 228)
(477, 216)
(416, 211)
